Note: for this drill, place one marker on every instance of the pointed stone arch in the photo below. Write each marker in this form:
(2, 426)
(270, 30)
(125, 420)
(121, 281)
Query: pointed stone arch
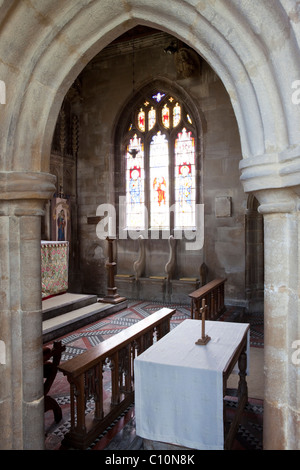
(44, 46)
(244, 60)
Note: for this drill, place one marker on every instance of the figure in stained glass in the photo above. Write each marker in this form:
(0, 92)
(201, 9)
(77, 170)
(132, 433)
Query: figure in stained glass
(160, 186)
(176, 115)
(135, 185)
(141, 120)
(166, 116)
(151, 118)
(185, 185)
(159, 180)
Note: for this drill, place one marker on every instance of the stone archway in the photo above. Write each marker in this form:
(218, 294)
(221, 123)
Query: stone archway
(43, 48)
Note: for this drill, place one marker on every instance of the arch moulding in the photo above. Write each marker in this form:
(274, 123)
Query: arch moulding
(44, 46)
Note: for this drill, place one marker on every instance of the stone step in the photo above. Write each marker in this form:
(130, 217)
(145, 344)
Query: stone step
(68, 312)
(64, 303)
(65, 323)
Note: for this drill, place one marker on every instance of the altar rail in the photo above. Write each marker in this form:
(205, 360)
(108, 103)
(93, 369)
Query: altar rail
(85, 374)
(213, 294)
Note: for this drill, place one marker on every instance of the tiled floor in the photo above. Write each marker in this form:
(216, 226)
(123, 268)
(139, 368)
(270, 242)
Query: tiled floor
(121, 435)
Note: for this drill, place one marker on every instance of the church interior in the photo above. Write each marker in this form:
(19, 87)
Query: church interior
(150, 183)
(148, 268)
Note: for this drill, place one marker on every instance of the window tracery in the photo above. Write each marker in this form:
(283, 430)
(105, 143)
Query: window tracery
(160, 168)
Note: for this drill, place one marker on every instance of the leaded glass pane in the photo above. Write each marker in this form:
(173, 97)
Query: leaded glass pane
(141, 120)
(176, 115)
(158, 97)
(185, 179)
(159, 181)
(135, 180)
(156, 162)
(151, 118)
(166, 116)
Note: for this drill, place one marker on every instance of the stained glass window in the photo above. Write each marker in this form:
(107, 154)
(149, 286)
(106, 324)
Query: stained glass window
(166, 116)
(141, 120)
(160, 165)
(159, 181)
(151, 118)
(176, 115)
(159, 96)
(185, 195)
(135, 180)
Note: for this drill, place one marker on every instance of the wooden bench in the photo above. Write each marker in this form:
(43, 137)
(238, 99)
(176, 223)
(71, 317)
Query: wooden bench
(213, 295)
(85, 375)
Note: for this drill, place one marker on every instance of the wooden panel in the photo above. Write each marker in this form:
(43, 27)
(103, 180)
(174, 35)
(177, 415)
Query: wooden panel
(84, 373)
(89, 358)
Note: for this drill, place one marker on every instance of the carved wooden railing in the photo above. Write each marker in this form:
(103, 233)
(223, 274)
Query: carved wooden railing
(213, 294)
(85, 374)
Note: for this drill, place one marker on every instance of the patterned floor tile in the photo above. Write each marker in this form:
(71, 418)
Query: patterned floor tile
(93, 334)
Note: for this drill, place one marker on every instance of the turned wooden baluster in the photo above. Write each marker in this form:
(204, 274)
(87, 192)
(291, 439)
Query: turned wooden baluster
(79, 393)
(115, 389)
(147, 340)
(213, 294)
(128, 372)
(99, 409)
(197, 309)
(94, 389)
(72, 405)
(125, 369)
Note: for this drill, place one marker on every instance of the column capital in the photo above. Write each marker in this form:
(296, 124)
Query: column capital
(274, 179)
(277, 201)
(24, 193)
(272, 170)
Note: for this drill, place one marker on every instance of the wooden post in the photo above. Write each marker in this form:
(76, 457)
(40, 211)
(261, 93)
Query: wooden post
(112, 295)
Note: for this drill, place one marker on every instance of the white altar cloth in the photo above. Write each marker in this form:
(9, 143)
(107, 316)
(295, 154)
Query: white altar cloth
(179, 385)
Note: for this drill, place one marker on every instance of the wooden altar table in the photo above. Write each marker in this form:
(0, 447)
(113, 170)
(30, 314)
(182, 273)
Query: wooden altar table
(180, 386)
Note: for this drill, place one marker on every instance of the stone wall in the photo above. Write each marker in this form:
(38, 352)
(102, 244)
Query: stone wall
(107, 83)
(254, 49)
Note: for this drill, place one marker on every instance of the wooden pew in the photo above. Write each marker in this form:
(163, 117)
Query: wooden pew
(85, 375)
(213, 294)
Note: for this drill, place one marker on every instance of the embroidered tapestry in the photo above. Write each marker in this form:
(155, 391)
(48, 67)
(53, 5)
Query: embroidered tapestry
(54, 266)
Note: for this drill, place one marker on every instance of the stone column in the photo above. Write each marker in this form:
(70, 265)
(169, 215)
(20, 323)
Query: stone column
(22, 198)
(280, 209)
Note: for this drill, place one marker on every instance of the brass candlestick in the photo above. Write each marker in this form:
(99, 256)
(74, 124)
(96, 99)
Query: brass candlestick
(204, 338)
